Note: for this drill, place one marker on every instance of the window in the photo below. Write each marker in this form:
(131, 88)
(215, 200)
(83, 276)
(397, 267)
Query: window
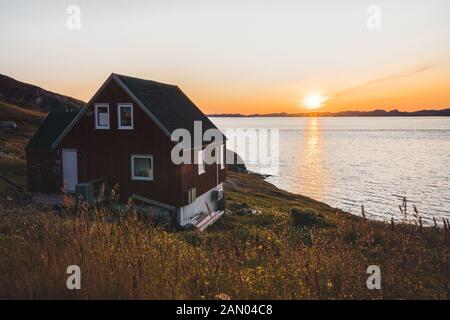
(222, 156)
(192, 195)
(125, 116)
(201, 163)
(141, 167)
(102, 116)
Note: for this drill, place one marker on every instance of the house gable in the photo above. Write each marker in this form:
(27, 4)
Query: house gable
(108, 152)
(133, 154)
(165, 104)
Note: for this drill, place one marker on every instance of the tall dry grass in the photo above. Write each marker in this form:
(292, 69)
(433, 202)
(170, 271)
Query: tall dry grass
(122, 257)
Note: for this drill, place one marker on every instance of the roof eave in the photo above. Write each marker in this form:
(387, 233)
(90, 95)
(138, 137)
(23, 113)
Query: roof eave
(80, 114)
(116, 78)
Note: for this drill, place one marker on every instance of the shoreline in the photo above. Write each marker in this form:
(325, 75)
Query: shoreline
(374, 113)
(251, 189)
(256, 185)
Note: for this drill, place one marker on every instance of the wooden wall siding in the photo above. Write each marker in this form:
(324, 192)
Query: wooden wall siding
(41, 175)
(203, 182)
(107, 153)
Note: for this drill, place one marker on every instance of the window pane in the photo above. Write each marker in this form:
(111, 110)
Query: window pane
(125, 116)
(201, 163)
(102, 116)
(222, 157)
(103, 119)
(142, 167)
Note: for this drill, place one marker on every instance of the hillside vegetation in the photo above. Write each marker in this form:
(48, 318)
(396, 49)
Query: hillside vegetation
(289, 247)
(33, 97)
(12, 144)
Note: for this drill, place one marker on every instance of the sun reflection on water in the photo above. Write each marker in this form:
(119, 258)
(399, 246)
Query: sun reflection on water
(311, 163)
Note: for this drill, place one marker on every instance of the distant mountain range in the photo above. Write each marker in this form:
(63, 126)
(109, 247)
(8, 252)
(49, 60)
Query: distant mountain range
(374, 113)
(32, 97)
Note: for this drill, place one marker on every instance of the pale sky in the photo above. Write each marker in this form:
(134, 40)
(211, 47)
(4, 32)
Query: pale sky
(238, 56)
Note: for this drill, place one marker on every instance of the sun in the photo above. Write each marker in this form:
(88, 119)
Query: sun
(314, 101)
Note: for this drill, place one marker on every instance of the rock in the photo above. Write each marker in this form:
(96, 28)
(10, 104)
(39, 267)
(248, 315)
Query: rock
(234, 162)
(261, 176)
(247, 211)
(189, 226)
(307, 218)
(8, 125)
(244, 211)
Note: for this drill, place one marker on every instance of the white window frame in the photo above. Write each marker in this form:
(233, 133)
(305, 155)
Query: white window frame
(97, 126)
(222, 156)
(201, 162)
(192, 195)
(145, 156)
(119, 125)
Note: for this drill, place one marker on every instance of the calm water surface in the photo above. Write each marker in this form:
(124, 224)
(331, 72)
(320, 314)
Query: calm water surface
(375, 162)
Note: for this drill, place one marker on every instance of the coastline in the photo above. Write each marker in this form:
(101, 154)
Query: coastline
(373, 113)
(253, 190)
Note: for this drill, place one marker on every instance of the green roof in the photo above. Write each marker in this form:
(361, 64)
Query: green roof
(51, 128)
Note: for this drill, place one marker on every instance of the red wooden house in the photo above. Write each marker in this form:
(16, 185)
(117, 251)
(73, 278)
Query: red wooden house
(123, 135)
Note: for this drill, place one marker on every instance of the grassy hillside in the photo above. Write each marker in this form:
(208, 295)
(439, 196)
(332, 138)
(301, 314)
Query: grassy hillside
(12, 144)
(290, 247)
(33, 97)
(26, 105)
(269, 254)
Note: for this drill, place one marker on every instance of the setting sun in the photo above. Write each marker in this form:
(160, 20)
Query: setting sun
(313, 101)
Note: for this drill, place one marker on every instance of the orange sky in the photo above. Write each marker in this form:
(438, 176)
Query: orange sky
(239, 57)
(428, 89)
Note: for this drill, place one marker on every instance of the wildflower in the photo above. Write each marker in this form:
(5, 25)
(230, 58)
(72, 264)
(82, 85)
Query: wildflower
(222, 296)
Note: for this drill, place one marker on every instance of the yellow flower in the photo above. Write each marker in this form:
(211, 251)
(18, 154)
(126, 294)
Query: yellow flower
(222, 296)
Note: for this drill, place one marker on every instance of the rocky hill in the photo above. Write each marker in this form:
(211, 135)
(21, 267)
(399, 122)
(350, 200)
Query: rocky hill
(33, 97)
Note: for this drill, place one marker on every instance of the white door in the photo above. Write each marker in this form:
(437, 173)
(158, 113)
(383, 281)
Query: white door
(70, 169)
